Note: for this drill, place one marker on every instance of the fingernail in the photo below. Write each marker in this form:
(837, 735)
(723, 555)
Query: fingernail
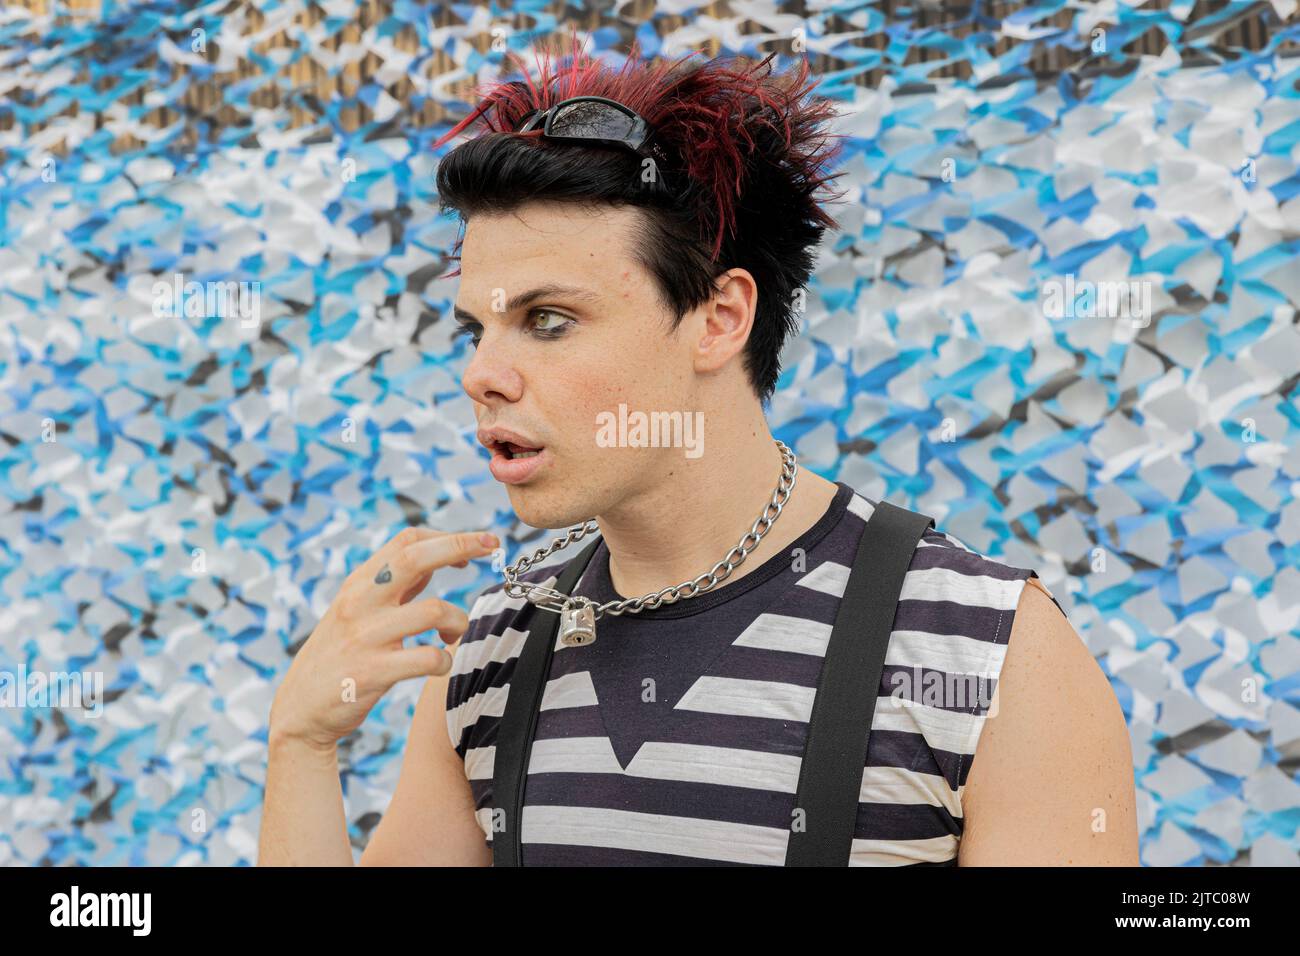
(488, 540)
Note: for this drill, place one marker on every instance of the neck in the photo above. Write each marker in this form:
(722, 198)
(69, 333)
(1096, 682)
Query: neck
(692, 512)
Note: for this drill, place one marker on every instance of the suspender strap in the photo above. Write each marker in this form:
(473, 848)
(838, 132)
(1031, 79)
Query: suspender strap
(830, 776)
(519, 723)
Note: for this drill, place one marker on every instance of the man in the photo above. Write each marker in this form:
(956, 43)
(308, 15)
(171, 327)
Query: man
(651, 276)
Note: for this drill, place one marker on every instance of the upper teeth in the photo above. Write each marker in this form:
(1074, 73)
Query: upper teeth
(524, 454)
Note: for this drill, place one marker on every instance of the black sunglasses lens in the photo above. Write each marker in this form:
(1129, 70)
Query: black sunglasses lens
(591, 120)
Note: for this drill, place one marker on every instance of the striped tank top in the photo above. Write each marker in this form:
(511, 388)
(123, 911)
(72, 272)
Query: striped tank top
(676, 737)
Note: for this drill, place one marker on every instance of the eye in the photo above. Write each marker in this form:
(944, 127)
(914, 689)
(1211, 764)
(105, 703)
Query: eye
(554, 325)
(554, 329)
(466, 332)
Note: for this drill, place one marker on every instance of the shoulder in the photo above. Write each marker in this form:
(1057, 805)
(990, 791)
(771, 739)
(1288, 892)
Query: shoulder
(1053, 779)
(952, 589)
(1035, 749)
(955, 619)
(944, 570)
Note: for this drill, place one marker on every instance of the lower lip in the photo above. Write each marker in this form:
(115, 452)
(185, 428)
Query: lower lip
(513, 471)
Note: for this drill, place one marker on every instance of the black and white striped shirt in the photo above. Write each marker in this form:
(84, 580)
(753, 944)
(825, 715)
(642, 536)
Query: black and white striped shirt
(676, 738)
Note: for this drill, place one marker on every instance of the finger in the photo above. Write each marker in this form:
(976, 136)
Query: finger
(370, 568)
(412, 567)
(421, 583)
(392, 625)
(447, 549)
(425, 579)
(422, 661)
(403, 567)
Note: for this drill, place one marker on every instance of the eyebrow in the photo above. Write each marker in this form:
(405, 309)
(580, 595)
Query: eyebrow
(524, 299)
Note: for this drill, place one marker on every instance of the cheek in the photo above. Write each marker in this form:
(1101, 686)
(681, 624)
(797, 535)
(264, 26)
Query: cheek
(627, 360)
(584, 405)
(590, 397)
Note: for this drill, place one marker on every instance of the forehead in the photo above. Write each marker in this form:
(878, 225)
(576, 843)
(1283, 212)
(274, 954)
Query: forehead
(551, 242)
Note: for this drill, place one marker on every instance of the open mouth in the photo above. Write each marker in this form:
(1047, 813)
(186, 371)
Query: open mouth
(515, 464)
(513, 451)
(512, 462)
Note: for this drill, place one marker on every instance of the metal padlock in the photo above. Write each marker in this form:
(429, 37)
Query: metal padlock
(577, 626)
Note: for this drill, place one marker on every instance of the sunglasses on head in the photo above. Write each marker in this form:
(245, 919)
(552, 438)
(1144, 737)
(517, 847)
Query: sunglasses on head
(595, 119)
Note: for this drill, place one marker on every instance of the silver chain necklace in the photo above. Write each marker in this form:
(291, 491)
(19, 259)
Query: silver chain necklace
(578, 615)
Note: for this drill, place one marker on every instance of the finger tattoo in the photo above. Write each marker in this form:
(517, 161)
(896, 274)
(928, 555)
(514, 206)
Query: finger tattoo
(384, 575)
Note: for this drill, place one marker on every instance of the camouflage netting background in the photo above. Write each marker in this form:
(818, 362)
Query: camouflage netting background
(179, 497)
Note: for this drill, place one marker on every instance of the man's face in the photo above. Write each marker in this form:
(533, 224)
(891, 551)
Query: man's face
(547, 367)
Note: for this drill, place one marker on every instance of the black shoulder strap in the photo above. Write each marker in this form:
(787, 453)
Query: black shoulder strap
(830, 776)
(519, 723)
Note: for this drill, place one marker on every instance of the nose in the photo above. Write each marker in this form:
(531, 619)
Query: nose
(492, 376)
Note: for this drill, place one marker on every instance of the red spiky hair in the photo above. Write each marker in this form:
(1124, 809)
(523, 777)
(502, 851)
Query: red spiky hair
(705, 115)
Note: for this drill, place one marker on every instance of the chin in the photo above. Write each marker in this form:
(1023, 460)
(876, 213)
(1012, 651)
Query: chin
(550, 504)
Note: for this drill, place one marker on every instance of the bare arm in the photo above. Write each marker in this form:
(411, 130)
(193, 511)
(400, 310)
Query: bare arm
(1052, 781)
(430, 821)
(303, 823)
(351, 659)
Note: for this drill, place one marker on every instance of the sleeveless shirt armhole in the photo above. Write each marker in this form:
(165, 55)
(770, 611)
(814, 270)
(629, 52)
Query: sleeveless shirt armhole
(459, 684)
(1038, 583)
(452, 719)
(993, 663)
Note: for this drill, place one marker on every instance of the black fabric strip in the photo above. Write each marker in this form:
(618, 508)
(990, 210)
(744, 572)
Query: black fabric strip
(519, 722)
(830, 775)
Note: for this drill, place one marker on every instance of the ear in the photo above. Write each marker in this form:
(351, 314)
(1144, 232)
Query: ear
(728, 320)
